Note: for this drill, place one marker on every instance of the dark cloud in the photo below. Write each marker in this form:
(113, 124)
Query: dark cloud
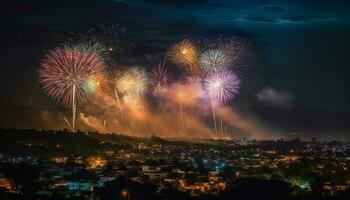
(309, 19)
(274, 8)
(179, 2)
(297, 19)
(258, 19)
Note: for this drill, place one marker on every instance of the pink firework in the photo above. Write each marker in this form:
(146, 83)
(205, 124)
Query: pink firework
(65, 68)
(222, 85)
(64, 71)
(159, 79)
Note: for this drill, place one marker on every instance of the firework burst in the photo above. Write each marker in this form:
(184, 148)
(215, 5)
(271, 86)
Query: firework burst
(222, 85)
(91, 46)
(183, 53)
(63, 72)
(159, 79)
(236, 49)
(98, 85)
(214, 60)
(133, 82)
(64, 68)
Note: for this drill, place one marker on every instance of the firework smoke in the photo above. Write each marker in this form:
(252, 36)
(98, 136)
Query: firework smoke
(71, 72)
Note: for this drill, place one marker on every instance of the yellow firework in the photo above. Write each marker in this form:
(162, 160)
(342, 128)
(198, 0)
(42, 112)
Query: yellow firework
(133, 82)
(183, 53)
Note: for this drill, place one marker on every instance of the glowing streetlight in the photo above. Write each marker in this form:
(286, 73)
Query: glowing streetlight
(126, 194)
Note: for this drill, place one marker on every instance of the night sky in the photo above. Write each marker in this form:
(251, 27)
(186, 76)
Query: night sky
(297, 82)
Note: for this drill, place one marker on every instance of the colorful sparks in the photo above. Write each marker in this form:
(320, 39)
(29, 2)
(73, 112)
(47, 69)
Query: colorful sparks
(98, 85)
(214, 60)
(159, 79)
(133, 82)
(237, 50)
(63, 72)
(65, 68)
(184, 54)
(222, 85)
(72, 71)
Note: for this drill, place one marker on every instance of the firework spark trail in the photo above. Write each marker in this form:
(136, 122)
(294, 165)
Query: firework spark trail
(163, 122)
(74, 106)
(65, 119)
(185, 95)
(222, 86)
(105, 108)
(104, 125)
(213, 111)
(159, 79)
(118, 101)
(63, 72)
(249, 126)
(132, 84)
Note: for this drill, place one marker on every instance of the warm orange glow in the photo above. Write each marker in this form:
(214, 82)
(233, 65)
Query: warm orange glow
(186, 95)
(96, 163)
(184, 53)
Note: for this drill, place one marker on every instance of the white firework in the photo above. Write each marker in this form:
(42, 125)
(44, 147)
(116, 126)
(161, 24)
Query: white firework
(214, 60)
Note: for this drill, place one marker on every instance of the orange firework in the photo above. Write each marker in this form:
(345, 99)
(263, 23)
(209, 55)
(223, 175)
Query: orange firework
(184, 53)
(98, 85)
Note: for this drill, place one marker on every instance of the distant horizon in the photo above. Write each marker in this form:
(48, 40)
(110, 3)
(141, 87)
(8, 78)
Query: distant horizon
(292, 137)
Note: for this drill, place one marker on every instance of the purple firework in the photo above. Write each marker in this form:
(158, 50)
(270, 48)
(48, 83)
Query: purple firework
(159, 79)
(222, 85)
